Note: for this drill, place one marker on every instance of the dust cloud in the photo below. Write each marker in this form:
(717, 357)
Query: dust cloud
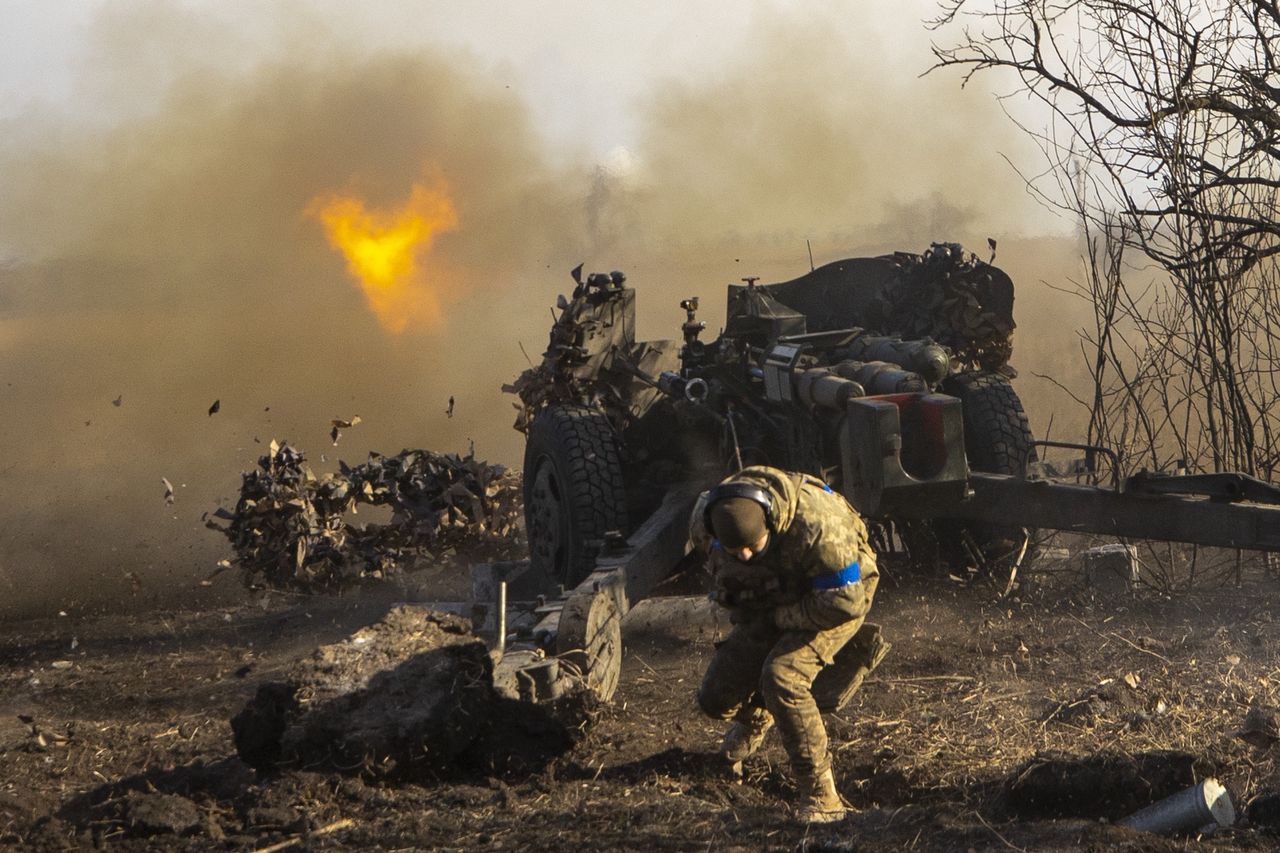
(157, 261)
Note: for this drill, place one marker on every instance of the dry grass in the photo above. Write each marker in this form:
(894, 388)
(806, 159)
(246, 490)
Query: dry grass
(975, 690)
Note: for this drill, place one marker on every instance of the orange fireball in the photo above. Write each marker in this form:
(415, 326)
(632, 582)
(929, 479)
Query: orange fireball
(383, 249)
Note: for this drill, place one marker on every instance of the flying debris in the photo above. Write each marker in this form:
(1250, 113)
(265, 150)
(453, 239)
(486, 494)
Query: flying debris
(449, 411)
(289, 529)
(992, 244)
(340, 424)
(168, 491)
(222, 565)
(118, 401)
(217, 404)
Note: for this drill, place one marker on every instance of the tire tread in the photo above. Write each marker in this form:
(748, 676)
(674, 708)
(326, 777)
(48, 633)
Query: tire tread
(593, 477)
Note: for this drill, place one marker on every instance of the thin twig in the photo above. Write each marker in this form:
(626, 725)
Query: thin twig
(298, 839)
(1139, 648)
(1013, 572)
(920, 678)
(1127, 642)
(996, 833)
(640, 660)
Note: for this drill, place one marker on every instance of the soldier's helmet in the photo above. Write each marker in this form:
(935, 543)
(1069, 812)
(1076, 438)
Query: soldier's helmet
(738, 522)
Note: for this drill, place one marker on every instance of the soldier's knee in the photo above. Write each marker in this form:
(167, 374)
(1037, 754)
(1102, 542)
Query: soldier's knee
(783, 684)
(714, 703)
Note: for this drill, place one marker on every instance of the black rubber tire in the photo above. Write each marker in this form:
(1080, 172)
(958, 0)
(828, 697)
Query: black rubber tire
(574, 492)
(997, 439)
(997, 436)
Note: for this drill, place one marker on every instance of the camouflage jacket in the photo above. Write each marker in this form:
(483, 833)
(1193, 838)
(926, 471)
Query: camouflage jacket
(818, 571)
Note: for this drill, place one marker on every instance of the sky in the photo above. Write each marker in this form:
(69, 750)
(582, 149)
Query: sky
(161, 163)
(579, 65)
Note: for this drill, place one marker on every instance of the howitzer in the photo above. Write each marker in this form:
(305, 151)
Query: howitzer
(888, 377)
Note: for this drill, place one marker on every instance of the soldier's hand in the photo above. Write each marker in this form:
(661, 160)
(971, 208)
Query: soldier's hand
(749, 616)
(735, 575)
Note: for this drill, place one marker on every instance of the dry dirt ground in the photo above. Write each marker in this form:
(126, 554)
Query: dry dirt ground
(992, 725)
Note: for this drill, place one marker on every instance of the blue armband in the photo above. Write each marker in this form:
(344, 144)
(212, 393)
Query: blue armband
(850, 574)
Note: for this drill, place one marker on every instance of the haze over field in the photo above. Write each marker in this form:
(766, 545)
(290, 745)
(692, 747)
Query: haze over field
(162, 243)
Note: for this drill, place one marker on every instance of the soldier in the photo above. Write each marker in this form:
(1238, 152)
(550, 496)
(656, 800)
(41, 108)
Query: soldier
(792, 564)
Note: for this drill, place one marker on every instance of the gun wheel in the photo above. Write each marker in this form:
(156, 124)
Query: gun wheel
(543, 516)
(997, 438)
(589, 641)
(574, 491)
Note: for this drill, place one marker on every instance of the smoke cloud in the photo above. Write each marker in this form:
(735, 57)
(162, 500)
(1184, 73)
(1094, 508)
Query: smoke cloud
(153, 262)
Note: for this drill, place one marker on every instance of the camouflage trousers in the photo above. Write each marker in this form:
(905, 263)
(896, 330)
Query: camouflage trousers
(758, 667)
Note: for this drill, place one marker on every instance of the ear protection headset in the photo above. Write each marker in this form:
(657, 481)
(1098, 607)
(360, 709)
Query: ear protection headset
(724, 491)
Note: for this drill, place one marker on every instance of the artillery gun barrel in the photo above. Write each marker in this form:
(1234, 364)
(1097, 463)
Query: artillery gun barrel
(880, 377)
(670, 383)
(695, 390)
(930, 361)
(820, 388)
(833, 387)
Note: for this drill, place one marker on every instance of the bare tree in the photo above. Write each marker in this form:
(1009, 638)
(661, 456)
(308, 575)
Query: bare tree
(1163, 139)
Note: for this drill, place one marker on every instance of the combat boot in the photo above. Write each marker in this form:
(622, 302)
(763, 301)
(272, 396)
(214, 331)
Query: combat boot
(819, 800)
(745, 737)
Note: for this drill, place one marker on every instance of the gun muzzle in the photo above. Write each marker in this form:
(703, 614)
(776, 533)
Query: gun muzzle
(672, 384)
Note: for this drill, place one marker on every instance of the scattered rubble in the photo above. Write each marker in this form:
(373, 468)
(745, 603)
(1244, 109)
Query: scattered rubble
(290, 530)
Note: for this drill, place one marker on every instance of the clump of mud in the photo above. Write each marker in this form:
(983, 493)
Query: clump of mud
(1110, 701)
(411, 697)
(160, 814)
